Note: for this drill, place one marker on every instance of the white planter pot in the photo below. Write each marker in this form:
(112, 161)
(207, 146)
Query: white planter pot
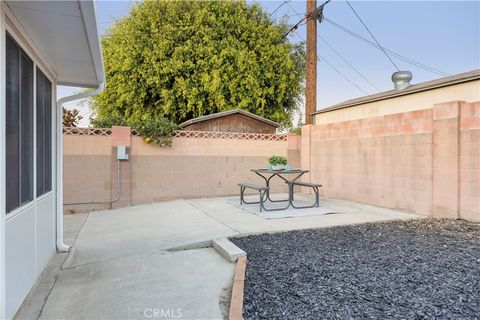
(278, 167)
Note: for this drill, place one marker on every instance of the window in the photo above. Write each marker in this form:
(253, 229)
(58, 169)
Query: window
(19, 126)
(44, 133)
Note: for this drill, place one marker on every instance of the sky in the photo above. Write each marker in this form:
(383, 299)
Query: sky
(444, 35)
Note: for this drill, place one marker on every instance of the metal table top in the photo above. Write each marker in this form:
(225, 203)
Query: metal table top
(267, 170)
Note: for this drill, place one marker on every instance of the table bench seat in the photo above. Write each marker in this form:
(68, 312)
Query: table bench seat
(307, 184)
(314, 187)
(257, 187)
(260, 188)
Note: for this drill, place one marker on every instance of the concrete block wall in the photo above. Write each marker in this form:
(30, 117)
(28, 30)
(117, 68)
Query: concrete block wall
(469, 161)
(445, 197)
(190, 168)
(426, 161)
(198, 167)
(87, 171)
(383, 161)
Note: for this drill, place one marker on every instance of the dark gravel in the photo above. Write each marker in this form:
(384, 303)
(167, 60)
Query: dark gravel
(421, 269)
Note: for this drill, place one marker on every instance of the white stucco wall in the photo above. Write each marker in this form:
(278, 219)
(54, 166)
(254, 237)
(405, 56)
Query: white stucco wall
(28, 233)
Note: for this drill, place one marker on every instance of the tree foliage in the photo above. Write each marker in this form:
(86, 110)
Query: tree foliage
(183, 59)
(71, 118)
(159, 131)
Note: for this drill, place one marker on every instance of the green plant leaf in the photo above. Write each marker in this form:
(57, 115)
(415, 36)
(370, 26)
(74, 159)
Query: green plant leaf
(183, 59)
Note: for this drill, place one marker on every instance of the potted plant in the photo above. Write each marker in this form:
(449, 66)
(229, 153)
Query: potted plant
(277, 162)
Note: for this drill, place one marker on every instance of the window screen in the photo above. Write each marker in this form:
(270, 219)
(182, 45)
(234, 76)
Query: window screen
(19, 126)
(44, 134)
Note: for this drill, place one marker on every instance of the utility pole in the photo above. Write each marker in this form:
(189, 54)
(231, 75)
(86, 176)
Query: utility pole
(311, 73)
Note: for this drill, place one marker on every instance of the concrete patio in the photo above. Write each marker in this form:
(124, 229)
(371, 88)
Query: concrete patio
(133, 263)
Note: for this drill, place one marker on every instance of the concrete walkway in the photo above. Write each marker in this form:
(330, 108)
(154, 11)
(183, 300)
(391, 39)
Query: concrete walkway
(243, 222)
(128, 263)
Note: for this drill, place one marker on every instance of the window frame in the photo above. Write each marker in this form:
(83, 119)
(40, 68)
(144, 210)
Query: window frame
(21, 39)
(51, 135)
(24, 109)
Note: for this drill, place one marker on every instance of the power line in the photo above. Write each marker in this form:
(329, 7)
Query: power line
(341, 74)
(317, 14)
(337, 71)
(298, 14)
(397, 55)
(348, 63)
(292, 29)
(363, 23)
(281, 5)
(295, 15)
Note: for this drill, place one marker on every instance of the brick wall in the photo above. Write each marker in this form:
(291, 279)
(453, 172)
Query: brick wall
(426, 161)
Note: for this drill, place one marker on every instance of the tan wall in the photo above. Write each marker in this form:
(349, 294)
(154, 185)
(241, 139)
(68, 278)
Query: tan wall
(467, 91)
(192, 167)
(426, 160)
(469, 161)
(87, 165)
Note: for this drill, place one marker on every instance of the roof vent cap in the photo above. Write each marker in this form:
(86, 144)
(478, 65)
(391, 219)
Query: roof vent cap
(401, 79)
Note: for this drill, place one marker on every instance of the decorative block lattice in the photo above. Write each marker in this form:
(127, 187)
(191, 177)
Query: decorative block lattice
(74, 131)
(230, 135)
(182, 134)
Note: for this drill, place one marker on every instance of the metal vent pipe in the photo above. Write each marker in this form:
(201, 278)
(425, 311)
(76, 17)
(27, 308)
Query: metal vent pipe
(401, 79)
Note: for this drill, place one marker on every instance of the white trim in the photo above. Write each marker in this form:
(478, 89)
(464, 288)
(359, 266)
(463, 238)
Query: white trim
(34, 89)
(53, 171)
(18, 211)
(62, 247)
(2, 164)
(89, 18)
(45, 72)
(37, 60)
(21, 36)
(49, 193)
(90, 23)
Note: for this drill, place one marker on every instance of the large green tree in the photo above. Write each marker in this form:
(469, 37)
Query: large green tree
(183, 59)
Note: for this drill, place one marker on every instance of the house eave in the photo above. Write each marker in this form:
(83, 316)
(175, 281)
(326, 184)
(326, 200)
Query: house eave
(64, 35)
(424, 86)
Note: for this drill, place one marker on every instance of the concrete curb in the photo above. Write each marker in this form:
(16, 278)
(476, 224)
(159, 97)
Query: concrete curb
(236, 302)
(227, 249)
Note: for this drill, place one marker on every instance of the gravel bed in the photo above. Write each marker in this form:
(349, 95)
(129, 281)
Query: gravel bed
(420, 269)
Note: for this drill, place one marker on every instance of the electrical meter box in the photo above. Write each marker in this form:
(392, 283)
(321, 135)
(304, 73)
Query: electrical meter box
(122, 153)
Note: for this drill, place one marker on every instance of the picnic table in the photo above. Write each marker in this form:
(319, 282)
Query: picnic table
(290, 177)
